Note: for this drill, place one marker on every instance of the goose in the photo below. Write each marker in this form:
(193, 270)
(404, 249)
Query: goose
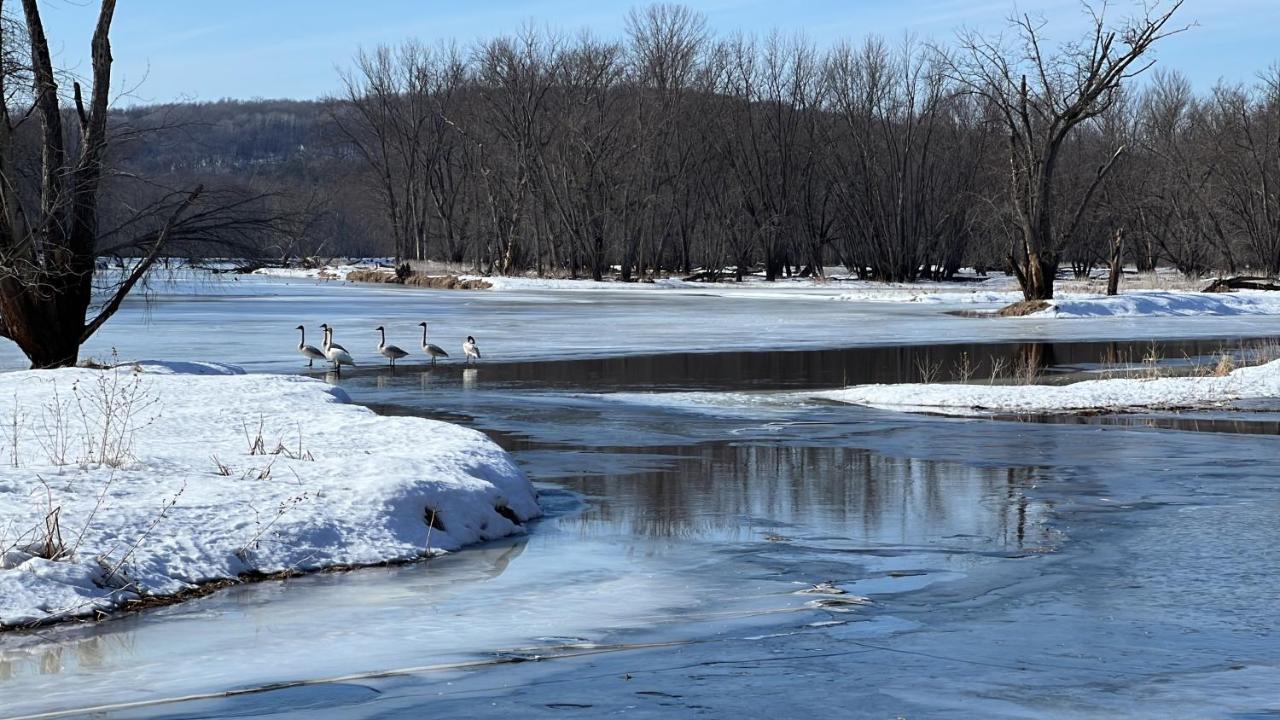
(432, 351)
(470, 349)
(390, 352)
(328, 339)
(335, 353)
(310, 352)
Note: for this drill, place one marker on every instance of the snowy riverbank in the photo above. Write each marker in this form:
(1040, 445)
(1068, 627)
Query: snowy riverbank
(152, 480)
(1161, 294)
(1163, 304)
(1102, 395)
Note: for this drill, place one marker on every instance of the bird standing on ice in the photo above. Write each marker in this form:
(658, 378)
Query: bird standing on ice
(432, 351)
(390, 352)
(310, 352)
(334, 352)
(469, 347)
(328, 339)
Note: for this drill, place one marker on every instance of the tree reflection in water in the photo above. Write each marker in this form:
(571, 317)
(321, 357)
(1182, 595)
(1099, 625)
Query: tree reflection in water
(735, 492)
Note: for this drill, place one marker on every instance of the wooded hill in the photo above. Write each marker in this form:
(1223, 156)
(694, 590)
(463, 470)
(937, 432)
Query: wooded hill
(672, 150)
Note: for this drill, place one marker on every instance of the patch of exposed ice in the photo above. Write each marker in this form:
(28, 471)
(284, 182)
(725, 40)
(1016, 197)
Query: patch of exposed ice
(709, 402)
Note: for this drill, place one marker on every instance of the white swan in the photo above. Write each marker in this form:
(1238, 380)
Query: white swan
(432, 351)
(328, 338)
(469, 347)
(310, 352)
(390, 352)
(335, 353)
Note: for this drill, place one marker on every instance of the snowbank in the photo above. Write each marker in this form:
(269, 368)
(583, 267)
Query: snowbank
(329, 272)
(166, 476)
(838, 288)
(1164, 304)
(937, 294)
(1114, 394)
(1076, 299)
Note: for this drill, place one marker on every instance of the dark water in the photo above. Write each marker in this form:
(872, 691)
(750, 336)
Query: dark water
(1016, 569)
(782, 370)
(1244, 423)
(1012, 569)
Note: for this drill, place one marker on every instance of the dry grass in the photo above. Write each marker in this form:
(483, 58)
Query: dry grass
(1225, 364)
(1135, 281)
(435, 282)
(1022, 308)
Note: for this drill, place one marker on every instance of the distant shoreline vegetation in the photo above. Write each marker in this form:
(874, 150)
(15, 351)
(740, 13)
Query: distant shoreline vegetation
(673, 149)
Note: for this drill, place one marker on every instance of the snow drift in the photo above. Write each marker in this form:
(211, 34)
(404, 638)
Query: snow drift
(1163, 304)
(154, 478)
(1113, 394)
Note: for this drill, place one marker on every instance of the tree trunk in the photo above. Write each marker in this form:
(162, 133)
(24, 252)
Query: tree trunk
(597, 263)
(1037, 276)
(1117, 266)
(47, 332)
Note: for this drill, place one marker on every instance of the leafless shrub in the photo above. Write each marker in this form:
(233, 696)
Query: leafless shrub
(1261, 352)
(55, 438)
(928, 370)
(112, 411)
(1026, 372)
(13, 429)
(262, 528)
(114, 570)
(998, 367)
(962, 369)
(1151, 362)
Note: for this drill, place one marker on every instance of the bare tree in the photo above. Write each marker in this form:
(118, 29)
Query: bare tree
(516, 75)
(51, 216)
(394, 112)
(1245, 126)
(1041, 98)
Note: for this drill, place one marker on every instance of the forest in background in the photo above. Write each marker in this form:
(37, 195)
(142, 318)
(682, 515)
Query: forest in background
(674, 150)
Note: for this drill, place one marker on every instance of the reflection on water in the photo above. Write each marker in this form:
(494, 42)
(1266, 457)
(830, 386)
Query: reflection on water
(781, 370)
(378, 615)
(666, 544)
(1189, 422)
(674, 523)
(743, 493)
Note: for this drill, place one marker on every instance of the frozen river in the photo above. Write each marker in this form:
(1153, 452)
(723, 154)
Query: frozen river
(988, 569)
(249, 320)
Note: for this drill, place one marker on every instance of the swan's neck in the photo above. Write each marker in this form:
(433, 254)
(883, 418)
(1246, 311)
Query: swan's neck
(424, 336)
(302, 340)
(382, 339)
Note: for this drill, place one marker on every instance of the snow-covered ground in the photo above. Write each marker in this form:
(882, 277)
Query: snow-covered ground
(1162, 294)
(1110, 394)
(155, 478)
(1164, 304)
(328, 272)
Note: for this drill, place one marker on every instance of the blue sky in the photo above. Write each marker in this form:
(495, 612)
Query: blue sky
(207, 50)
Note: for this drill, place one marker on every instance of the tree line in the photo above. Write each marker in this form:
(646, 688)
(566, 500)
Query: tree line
(669, 149)
(672, 150)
